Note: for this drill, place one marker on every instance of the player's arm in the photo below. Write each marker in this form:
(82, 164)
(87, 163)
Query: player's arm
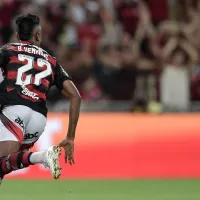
(69, 90)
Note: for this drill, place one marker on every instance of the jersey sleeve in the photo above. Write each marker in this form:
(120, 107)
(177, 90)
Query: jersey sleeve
(60, 76)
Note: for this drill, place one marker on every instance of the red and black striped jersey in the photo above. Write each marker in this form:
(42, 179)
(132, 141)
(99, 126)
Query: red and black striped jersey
(28, 73)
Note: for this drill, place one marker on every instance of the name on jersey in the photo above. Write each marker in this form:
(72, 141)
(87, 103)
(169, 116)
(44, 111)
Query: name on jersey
(28, 93)
(33, 51)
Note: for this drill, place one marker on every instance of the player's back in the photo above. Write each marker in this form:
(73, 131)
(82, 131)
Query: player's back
(28, 71)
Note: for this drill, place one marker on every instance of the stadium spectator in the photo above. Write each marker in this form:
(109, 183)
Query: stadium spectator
(113, 48)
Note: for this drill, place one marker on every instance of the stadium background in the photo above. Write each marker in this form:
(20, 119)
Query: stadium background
(136, 64)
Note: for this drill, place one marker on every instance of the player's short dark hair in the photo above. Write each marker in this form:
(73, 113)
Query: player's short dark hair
(25, 25)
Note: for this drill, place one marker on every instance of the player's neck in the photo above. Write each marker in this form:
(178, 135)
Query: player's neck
(30, 42)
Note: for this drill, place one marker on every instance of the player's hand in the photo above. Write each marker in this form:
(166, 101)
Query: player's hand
(68, 146)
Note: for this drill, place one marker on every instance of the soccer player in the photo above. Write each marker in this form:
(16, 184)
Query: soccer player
(29, 72)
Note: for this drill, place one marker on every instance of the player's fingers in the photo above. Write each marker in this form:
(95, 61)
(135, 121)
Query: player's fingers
(70, 159)
(66, 158)
(73, 161)
(70, 162)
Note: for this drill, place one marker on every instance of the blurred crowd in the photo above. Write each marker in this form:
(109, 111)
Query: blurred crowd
(139, 50)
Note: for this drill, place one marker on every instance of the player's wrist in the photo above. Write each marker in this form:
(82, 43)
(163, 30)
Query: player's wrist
(70, 139)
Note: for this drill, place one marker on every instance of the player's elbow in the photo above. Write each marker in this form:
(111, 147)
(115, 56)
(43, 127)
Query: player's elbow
(75, 100)
(70, 91)
(73, 95)
(76, 95)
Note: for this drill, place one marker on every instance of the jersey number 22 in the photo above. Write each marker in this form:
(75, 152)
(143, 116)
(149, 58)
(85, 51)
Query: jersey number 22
(30, 63)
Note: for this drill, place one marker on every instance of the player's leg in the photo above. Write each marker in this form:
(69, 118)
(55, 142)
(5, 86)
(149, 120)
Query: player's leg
(12, 135)
(9, 142)
(12, 129)
(20, 160)
(33, 130)
(8, 147)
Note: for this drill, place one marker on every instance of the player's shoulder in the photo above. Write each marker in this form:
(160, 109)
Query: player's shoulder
(52, 59)
(4, 49)
(9, 46)
(50, 55)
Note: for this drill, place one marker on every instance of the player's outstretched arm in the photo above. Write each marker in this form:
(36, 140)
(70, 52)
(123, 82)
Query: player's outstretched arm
(70, 91)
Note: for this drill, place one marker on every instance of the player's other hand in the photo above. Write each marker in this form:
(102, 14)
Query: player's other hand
(68, 146)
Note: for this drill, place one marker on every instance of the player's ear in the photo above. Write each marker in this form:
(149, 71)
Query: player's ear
(37, 36)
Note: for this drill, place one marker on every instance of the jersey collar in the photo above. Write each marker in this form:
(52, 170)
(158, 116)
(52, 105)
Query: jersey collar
(26, 42)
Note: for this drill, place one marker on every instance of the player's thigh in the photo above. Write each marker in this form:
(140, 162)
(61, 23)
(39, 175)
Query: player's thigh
(9, 143)
(34, 128)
